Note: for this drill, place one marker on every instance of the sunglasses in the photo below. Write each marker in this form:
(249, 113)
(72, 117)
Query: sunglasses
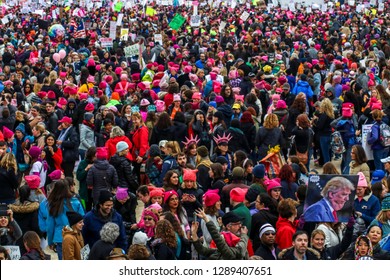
(148, 219)
(269, 233)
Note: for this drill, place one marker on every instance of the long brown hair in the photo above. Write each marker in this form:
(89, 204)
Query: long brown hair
(57, 197)
(32, 241)
(165, 231)
(175, 223)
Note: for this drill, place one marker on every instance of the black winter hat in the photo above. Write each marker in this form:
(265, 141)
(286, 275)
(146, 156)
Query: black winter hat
(105, 196)
(154, 150)
(73, 218)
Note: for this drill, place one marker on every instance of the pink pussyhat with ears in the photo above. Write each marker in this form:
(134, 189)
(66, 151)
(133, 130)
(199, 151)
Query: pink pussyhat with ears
(189, 175)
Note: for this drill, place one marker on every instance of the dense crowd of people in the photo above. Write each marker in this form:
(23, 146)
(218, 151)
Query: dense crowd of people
(213, 129)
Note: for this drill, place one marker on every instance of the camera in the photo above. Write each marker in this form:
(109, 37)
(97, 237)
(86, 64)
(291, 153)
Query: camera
(3, 210)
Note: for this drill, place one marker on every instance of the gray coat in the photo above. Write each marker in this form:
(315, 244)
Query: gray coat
(87, 137)
(101, 176)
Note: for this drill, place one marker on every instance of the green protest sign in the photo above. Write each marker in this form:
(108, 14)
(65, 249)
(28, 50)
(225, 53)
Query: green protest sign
(177, 22)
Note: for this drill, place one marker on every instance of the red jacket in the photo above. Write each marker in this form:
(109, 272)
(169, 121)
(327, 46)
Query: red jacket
(141, 142)
(111, 146)
(57, 158)
(284, 232)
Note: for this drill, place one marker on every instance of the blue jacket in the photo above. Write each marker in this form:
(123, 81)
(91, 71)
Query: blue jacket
(168, 164)
(43, 214)
(374, 139)
(303, 86)
(56, 224)
(369, 206)
(319, 212)
(94, 222)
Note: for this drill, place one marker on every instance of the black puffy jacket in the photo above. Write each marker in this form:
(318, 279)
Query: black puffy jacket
(124, 169)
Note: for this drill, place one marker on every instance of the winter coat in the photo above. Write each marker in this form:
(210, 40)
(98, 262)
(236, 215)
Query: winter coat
(243, 211)
(72, 243)
(191, 206)
(322, 125)
(202, 177)
(52, 123)
(162, 251)
(288, 254)
(258, 220)
(364, 168)
(225, 193)
(111, 145)
(94, 222)
(33, 255)
(127, 210)
(8, 238)
(101, 176)
(180, 132)
(141, 143)
(169, 163)
(70, 146)
(238, 141)
(87, 137)
(303, 86)
(81, 176)
(285, 229)
(374, 137)
(289, 189)
(162, 134)
(267, 138)
(124, 170)
(334, 252)
(100, 250)
(266, 253)
(56, 224)
(9, 184)
(369, 206)
(303, 139)
(223, 250)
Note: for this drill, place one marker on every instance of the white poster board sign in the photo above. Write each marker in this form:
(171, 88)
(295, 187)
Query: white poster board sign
(132, 50)
(158, 38)
(195, 20)
(107, 42)
(366, 130)
(244, 16)
(84, 252)
(14, 252)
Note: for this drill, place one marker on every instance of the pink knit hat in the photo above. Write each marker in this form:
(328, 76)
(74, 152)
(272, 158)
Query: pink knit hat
(362, 180)
(189, 175)
(33, 181)
(238, 194)
(273, 184)
(121, 193)
(211, 197)
(168, 194)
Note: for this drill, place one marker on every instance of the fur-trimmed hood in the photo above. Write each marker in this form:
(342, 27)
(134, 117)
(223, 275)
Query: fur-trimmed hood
(26, 207)
(288, 254)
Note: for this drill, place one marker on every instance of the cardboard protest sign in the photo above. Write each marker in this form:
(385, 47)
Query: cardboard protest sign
(132, 50)
(244, 16)
(106, 42)
(195, 20)
(366, 131)
(158, 38)
(84, 252)
(14, 252)
(124, 34)
(177, 22)
(329, 198)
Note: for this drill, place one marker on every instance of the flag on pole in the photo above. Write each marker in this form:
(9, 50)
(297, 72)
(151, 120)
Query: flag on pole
(80, 32)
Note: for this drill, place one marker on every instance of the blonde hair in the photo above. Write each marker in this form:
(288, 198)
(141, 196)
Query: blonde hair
(9, 162)
(138, 116)
(382, 216)
(174, 146)
(327, 108)
(271, 121)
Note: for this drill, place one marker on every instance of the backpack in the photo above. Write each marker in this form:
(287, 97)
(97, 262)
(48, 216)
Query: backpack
(384, 134)
(337, 143)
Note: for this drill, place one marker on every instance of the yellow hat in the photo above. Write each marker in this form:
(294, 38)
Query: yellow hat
(236, 106)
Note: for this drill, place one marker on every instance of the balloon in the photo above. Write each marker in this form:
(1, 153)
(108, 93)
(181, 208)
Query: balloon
(62, 53)
(56, 57)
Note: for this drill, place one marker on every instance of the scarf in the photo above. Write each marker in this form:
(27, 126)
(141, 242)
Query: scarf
(91, 125)
(230, 238)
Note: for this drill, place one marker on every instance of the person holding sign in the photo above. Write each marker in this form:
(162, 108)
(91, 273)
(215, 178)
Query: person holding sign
(335, 194)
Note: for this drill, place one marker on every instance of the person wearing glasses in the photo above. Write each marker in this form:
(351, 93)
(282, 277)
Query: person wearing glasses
(267, 249)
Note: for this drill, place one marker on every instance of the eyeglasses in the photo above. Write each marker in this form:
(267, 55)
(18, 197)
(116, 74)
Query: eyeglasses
(148, 219)
(269, 233)
(258, 201)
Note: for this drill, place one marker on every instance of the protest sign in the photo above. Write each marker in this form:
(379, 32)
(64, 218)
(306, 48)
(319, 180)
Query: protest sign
(132, 50)
(366, 131)
(112, 29)
(177, 22)
(158, 38)
(14, 252)
(195, 20)
(119, 20)
(318, 199)
(106, 42)
(85, 252)
(244, 16)
(124, 34)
